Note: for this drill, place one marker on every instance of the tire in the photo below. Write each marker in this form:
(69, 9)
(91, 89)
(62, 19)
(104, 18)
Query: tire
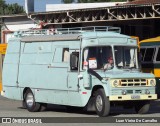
(23, 104)
(142, 107)
(102, 103)
(30, 103)
(43, 107)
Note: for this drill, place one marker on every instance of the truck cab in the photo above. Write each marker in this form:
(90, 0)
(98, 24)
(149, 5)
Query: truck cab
(122, 83)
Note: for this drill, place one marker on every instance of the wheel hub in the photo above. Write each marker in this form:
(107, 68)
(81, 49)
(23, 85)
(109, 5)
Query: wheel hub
(29, 100)
(99, 103)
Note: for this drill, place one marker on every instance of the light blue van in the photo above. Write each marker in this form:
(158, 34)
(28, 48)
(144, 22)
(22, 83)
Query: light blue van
(93, 67)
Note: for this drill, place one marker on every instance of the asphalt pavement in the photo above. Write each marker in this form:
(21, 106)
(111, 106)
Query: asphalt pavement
(12, 108)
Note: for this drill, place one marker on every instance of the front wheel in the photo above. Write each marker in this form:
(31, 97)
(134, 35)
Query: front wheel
(142, 107)
(30, 103)
(102, 103)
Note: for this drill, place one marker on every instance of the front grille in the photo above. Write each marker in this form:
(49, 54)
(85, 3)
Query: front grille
(133, 82)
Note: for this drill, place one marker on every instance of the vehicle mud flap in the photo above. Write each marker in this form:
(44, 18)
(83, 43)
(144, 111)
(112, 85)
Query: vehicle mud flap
(90, 105)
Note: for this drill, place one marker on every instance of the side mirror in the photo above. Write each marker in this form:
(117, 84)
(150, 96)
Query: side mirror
(74, 58)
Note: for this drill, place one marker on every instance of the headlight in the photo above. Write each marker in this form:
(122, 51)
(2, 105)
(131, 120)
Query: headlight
(152, 82)
(116, 83)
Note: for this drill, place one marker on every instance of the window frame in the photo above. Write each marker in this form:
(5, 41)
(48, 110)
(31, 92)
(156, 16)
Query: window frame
(153, 56)
(77, 55)
(93, 46)
(63, 55)
(156, 53)
(136, 52)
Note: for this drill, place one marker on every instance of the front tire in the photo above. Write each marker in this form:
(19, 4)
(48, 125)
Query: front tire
(142, 107)
(102, 103)
(30, 103)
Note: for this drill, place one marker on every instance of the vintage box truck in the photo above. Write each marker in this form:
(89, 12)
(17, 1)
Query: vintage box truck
(91, 67)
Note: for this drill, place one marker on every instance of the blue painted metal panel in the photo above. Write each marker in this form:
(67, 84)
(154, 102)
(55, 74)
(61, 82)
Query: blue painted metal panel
(58, 55)
(12, 93)
(40, 76)
(11, 58)
(13, 46)
(10, 78)
(112, 41)
(31, 47)
(27, 58)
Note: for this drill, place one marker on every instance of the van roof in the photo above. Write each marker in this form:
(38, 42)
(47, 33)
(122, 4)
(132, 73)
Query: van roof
(67, 37)
(40, 38)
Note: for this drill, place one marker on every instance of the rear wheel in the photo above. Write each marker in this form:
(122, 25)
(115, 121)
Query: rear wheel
(142, 107)
(30, 103)
(102, 103)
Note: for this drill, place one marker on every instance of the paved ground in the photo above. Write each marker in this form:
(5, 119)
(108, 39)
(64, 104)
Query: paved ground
(11, 108)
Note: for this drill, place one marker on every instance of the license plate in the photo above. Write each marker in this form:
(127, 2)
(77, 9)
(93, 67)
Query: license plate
(135, 96)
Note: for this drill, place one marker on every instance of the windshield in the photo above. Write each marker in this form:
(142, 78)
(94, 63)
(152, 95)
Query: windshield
(98, 58)
(126, 57)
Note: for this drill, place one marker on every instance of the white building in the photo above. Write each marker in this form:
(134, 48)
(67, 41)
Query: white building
(74, 6)
(13, 23)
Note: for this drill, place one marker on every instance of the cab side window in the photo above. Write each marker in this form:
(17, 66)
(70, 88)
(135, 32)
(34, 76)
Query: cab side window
(74, 60)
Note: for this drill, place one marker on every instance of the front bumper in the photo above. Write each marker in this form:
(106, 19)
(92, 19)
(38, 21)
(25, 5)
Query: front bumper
(130, 97)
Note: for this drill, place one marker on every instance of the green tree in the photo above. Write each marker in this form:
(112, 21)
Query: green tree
(13, 9)
(2, 5)
(6, 9)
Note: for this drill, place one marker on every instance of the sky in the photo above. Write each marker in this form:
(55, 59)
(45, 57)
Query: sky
(40, 5)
